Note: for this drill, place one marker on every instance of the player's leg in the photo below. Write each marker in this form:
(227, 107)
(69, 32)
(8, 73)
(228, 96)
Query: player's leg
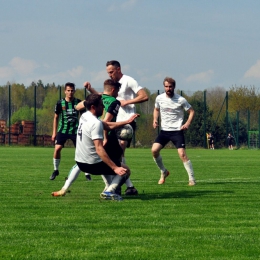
(159, 162)
(117, 181)
(161, 140)
(72, 176)
(73, 139)
(187, 165)
(56, 161)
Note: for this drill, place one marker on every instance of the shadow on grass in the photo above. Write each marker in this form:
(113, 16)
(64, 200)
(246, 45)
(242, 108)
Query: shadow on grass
(177, 194)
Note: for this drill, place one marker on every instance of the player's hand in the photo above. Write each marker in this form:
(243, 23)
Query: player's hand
(132, 118)
(185, 127)
(120, 171)
(123, 102)
(104, 141)
(87, 85)
(53, 137)
(155, 124)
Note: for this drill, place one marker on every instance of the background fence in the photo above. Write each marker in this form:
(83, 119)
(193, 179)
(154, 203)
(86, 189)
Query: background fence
(26, 116)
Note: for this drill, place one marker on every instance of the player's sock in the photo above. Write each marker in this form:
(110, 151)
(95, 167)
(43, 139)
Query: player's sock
(107, 180)
(128, 183)
(56, 163)
(117, 181)
(159, 163)
(189, 169)
(72, 176)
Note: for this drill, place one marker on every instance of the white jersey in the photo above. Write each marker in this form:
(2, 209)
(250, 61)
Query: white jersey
(171, 111)
(128, 90)
(90, 128)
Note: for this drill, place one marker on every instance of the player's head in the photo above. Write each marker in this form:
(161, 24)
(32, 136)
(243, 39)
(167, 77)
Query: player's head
(69, 89)
(94, 104)
(114, 70)
(71, 85)
(111, 87)
(169, 86)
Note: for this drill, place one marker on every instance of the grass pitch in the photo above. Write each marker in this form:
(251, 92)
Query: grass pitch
(217, 219)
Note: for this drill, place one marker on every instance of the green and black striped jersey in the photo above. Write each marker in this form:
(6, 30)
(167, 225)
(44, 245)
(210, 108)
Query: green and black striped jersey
(68, 116)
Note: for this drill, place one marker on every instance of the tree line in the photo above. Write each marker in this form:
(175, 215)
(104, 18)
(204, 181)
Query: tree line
(217, 111)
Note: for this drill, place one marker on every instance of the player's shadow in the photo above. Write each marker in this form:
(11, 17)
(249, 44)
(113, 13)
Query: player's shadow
(176, 195)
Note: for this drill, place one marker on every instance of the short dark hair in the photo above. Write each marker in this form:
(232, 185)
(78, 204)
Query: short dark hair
(112, 83)
(69, 84)
(92, 100)
(170, 80)
(114, 63)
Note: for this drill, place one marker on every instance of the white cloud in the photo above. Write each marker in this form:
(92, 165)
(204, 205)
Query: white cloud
(6, 72)
(205, 77)
(123, 6)
(18, 66)
(22, 66)
(254, 71)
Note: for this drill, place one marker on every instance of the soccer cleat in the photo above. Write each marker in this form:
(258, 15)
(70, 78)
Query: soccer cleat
(54, 174)
(88, 177)
(164, 175)
(131, 191)
(118, 190)
(58, 193)
(192, 183)
(107, 195)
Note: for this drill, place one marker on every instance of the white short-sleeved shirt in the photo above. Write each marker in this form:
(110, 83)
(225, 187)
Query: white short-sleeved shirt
(90, 128)
(128, 90)
(171, 111)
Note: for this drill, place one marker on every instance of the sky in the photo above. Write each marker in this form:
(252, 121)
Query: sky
(202, 44)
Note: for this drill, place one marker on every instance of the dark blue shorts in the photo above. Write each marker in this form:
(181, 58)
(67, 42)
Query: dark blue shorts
(176, 137)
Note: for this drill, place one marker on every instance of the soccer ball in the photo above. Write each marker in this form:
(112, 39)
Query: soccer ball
(125, 132)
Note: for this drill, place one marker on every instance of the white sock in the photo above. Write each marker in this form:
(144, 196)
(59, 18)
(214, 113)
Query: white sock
(159, 163)
(56, 163)
(115, 181)
(107, 180)
(128, 183)
(72, 176)
(189, 169)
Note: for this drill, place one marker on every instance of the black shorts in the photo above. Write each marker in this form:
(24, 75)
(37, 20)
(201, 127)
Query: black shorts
(176, 137)
(62, 138)
(133, 124)
(112, 147)
(100, 168)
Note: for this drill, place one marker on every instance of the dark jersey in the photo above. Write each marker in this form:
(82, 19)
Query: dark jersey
(68, 116)
(111, 105)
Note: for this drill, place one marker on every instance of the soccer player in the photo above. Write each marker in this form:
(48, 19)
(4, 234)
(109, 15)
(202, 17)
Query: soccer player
(230, 141)
(110, 142)
(65, 124)
(130, 94)
(90, 154)
(171, 106)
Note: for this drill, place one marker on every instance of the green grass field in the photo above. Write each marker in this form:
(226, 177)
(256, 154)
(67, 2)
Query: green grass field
(217, 219)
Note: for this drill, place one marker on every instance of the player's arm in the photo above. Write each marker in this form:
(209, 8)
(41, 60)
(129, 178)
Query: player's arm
(108, 118)
(113, 125)
(87, 85)
(189, 120)
(105, 158)
(80, 106)
(156, 113)
(55, 126)
(141, 97)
